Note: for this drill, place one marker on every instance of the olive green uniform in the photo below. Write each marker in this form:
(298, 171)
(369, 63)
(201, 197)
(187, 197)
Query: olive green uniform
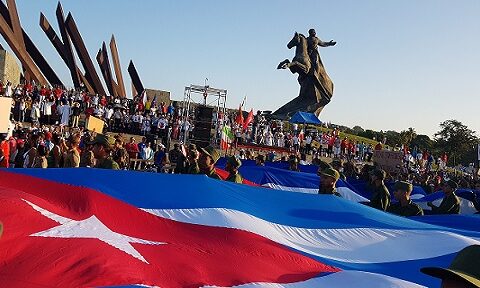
(411, 209)
(326, 192)
(107, 163)
(450, 205)
(236, 178)
(193, 168)
(380, 198)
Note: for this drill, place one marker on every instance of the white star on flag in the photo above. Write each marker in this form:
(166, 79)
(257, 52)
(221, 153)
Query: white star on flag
(91, 228)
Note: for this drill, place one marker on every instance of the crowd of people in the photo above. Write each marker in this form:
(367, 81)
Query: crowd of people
(54, 138)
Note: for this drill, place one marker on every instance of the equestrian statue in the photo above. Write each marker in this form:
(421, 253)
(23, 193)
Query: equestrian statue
(316, 88)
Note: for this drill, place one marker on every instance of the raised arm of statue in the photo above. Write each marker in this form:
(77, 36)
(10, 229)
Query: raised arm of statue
(326, 44)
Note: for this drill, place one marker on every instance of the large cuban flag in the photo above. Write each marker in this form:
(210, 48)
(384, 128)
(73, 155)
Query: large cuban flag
(91, 228)
(276, 175)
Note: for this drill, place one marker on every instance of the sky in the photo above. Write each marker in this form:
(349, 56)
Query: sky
(397, 64)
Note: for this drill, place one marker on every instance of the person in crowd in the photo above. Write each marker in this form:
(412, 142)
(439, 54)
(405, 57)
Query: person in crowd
(40, 160)
(232, 165)
(4, 151)
(31, 152)
(120, 154)
(159, 157)
(177, 156)
(404, 206)
(381, 196)
(193, 167)
(463, 272)
(328, 181)
(87, 158)
(450, 203)
(337, 164)
(293, 163)
(72, 155)
(55, 156)
(206, 162)
(146, 152)
(102, 150)
(75, 114)
(174, 154)
(132, 149)
(260, 160)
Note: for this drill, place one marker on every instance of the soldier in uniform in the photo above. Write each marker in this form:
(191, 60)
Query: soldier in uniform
(450, 203)
(328, 181)
(102, 149)
(337, 164)
(404, 206)
(233, 163)
(380, 196)
(193, 162)
(206, 162)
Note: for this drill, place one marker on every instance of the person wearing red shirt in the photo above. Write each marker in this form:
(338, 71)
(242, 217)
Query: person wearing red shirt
(43, 91)
(344, 146)
(4, 151)
(103, 101)
(89, 111)
(28, 87)
(58, 92)
(86, 99)
(132, 148)
(379, 146)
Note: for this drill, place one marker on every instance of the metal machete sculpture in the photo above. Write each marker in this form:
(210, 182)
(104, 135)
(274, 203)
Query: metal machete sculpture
(316, 88)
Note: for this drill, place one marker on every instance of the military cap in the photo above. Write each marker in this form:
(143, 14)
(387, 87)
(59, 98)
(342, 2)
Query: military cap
(234, 161)
(452, 184)
(212, 152)
(464, 265)
(103, 139)
(403, 186)
(330, 172)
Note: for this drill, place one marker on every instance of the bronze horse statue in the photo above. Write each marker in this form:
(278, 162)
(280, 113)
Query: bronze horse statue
(316, 88)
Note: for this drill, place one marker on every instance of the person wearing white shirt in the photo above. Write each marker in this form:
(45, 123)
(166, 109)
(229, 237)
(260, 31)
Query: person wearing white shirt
(308, 143)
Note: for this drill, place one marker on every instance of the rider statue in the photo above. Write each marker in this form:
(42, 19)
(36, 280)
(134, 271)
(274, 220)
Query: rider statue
(312, 47)
(316, 88)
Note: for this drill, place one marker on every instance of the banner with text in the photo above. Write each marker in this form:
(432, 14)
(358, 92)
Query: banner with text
(390, 161)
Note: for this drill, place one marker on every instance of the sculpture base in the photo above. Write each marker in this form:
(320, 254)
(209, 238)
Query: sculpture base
(310, 99)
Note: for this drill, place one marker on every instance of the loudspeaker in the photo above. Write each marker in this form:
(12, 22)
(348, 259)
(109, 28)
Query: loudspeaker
(204, 114)
(203, 123)
(201, 133)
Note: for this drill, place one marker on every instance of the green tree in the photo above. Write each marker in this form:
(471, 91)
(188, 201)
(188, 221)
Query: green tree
(393, 138)
(457, 140)
(423, 142)
(357, 129)
(407, 136)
